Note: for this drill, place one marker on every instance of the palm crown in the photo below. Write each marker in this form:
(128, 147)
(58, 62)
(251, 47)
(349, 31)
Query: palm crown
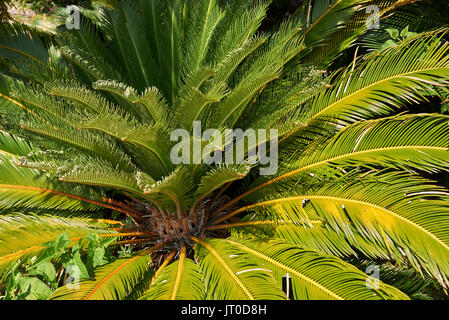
(87, 119)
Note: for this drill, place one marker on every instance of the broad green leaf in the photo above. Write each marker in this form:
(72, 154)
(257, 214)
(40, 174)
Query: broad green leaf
(33, 289)
(394, 33)
(45, 269)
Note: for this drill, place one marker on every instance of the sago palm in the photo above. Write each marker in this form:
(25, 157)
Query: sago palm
(85, 145)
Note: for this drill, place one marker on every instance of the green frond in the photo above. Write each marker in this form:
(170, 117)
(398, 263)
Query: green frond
(34, 99)
(314, 275)
(190, 287)
(290, 110)
(218, 177)
(102, 174)
(94, 66)
(27, 189)
(417, 142)
(235, 57)
(85, 38)
(19, 42)
(56, 134)
(229, 110)
(325, 239)
(165, 33)
(351, 30)
(114, 281)
(323, 18)
(153, 100)
(385, 82)
(406, 213)
(24, 236)
(81, 95)
(228, 277)
(125, 26)
(154, 139)
(150, 103)
(407, 280)
(237, 28)
(14, 145)
(201, 24)
(193, 104)
(177, 186)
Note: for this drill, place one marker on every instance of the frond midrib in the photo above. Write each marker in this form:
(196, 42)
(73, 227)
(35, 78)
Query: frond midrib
(368, 87)
(364, 203)
(286, 268)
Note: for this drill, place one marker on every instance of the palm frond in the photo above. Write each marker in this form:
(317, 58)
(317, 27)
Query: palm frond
(218, 177)
(385, 82)
(404, 212)
(406, 142)
(24, 236)
(114, 281)
(181, 280)
(14, 145)
(27, 189)
(228, 277)
(129, 41)
(314, 275)
(204, 18)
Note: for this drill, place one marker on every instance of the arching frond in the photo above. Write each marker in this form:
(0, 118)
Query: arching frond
(324, 18)
(228, 277)
(24, 236)
(410, 141)
(19, 42)
(238, 26)
(177, 187)
(216, 178)
(114, 281)
(325, 239)
(405, 212)
(181, 280)
(385, 82)
(56, 134)
(152, 100)
(314, 276)
(27, 189)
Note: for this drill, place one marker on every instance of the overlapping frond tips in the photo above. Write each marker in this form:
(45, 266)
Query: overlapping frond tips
(216, 178)
(14, 145)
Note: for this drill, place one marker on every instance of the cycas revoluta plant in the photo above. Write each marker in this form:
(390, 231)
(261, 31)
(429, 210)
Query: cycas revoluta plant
(87, 118)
